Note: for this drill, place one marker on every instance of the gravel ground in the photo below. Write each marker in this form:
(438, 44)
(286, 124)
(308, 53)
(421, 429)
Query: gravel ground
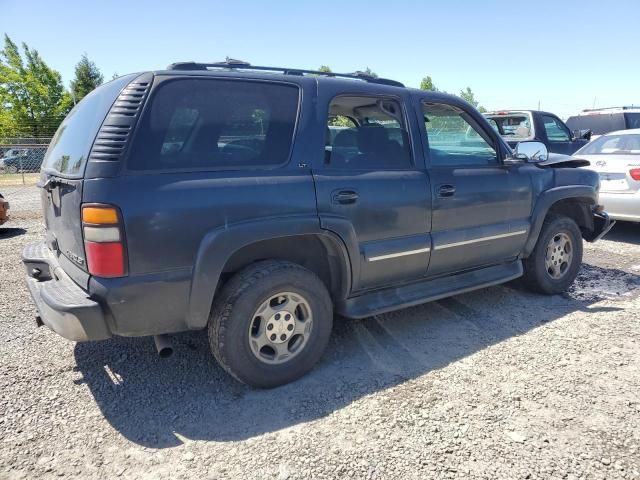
(498, 383)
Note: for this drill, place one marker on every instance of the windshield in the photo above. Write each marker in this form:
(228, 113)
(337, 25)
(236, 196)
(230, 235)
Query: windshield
(613, 145)
(514, 127)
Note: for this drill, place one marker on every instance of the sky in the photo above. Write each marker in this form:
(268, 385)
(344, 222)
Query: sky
(561, 55)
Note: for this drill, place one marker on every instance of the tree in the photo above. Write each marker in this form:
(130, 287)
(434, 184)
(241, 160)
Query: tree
(427, 84)
(324, 69)
(369, 72)
(469, 96)
(87, 78)
(32, 96)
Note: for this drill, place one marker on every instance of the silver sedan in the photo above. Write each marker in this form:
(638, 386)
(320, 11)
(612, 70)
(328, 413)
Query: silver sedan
(616, 158)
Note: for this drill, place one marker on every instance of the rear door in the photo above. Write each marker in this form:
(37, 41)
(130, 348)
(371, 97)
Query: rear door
(62, 176)
(481, 208)
(371, 191)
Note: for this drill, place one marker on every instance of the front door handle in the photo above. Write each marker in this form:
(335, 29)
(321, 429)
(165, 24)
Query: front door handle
(446, 191)
(345, 197)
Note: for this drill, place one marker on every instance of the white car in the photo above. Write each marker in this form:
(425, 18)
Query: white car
(616, 158)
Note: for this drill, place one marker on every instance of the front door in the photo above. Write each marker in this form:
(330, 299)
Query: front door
(370, 191)
(481, 208)
(558, 137)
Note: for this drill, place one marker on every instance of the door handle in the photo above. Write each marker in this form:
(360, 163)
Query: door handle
(446, 191)
(345, 197)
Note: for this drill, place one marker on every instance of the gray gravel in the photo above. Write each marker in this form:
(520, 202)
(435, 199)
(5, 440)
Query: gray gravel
(498, 383)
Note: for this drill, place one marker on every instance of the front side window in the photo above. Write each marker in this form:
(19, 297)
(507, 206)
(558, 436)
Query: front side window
(366, 133)
(454, 138)
(556, 131)
(216, 124)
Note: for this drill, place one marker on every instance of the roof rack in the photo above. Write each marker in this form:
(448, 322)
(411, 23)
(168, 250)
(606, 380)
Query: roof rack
(231, 64)
(625, 107)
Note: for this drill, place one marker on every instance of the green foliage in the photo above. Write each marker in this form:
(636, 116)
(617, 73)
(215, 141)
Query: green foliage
(340, 121)
(87, 78)
(371, 73)
(324, 69)
(427, 84)
(468, 96)
(33, 100)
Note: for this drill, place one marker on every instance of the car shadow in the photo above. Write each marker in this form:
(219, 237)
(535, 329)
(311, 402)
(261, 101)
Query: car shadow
(11, 232)
(156, 402)
(625, 232)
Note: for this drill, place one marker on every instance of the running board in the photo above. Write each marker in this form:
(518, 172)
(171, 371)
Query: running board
(382, 301)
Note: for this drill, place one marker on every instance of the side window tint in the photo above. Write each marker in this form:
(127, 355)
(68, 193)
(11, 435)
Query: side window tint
(209, 123)
(556, 132)
(366, 133)
(454, 139)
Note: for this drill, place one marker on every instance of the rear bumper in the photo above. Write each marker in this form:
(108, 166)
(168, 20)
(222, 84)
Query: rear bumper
(64, 307)
(621, 206)
(602, 223)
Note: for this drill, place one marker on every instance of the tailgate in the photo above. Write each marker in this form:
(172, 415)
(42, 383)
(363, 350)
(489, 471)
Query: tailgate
(61, 201)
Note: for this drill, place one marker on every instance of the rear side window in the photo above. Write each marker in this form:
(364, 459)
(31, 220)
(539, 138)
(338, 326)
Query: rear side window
(209, 123)
(71, 144)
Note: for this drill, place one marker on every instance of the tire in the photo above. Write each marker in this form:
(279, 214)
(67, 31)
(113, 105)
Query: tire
(243, 318)
(12, 169)
(556, 273)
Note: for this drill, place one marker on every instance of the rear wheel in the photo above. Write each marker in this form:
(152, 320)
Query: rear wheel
(555, 261)
(12, 169)
(270, 323)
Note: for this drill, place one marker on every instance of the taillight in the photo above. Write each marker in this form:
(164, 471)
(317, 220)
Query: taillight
(635, 173)
(103, 240)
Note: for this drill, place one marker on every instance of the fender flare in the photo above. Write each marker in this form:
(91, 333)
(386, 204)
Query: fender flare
(545, 202)
(221, 243)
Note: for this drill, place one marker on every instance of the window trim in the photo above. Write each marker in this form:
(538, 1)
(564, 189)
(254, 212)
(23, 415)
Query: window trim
(405, 116)
(560, 124)
(467, 117)
(161, 81)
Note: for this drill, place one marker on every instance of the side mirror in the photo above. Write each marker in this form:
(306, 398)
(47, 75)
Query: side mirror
(531, 151)
(582, 134)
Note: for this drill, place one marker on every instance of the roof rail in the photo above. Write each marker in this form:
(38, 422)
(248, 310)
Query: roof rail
(232, 64)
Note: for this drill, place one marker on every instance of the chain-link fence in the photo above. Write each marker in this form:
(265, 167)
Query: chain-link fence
(21, 159)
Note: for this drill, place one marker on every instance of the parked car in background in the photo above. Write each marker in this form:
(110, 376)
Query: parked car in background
(605, 120)
(24, 160)
(616, 158)
(534, 125)
(4, 210)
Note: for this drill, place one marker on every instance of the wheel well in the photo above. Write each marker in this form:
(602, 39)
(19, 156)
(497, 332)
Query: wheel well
(578, 209)
(315, 252)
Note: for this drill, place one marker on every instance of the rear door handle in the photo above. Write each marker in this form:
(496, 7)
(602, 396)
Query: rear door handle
(345, 197)
(446, 191)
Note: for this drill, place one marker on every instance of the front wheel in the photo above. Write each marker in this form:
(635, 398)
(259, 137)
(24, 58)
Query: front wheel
(555, 261)
(270, 323)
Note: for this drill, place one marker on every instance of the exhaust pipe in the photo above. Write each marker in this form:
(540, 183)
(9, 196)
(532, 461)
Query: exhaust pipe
(163, 345)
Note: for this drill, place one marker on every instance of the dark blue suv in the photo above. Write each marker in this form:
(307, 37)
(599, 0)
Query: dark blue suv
(256, 202)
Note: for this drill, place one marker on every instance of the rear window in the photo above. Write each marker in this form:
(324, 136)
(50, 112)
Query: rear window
(513, 127)
(70, 146)
(628, 144)
(216, 124)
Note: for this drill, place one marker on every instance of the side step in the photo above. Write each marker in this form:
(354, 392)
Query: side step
(382, 301)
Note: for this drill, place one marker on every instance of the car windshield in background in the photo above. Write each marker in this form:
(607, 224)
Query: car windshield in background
(513, 127)
(613, 145)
